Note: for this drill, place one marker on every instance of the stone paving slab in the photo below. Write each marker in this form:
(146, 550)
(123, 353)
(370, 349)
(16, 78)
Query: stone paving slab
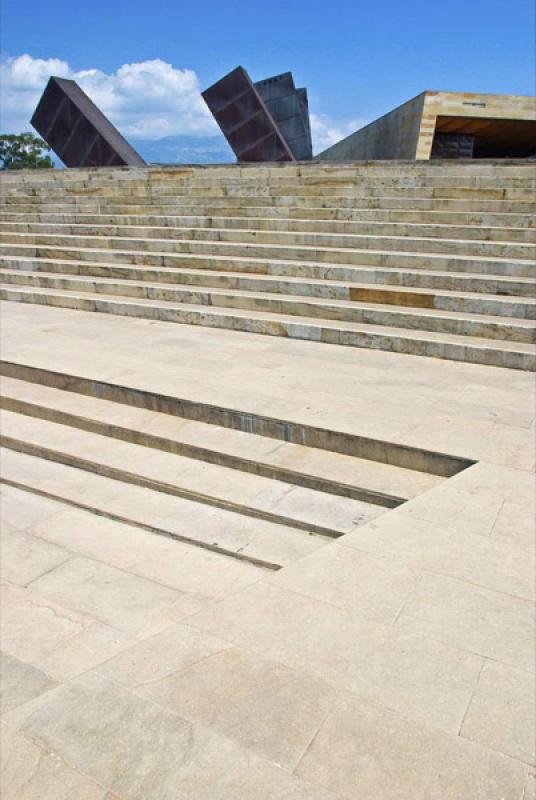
(163, 756)
(395, 663)
(365, 751)
(33, 773)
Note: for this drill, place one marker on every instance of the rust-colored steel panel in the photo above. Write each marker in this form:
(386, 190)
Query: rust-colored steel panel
(245, 120)
(78, 131)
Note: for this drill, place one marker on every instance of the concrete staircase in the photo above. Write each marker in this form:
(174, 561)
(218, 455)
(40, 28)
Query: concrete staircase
(255, 488)
(433, 259)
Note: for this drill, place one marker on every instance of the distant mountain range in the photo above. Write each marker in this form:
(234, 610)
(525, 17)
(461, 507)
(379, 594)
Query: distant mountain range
(179, 150)
(185, 150)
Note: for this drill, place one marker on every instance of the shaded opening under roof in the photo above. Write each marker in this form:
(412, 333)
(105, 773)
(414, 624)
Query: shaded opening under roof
(493, 138)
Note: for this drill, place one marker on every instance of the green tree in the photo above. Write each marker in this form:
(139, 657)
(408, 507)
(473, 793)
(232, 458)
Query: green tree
(23, 151)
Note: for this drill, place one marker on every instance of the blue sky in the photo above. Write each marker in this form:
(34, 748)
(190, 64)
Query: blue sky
(357, 59)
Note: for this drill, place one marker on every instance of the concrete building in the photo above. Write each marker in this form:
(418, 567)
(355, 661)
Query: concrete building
(446, 125)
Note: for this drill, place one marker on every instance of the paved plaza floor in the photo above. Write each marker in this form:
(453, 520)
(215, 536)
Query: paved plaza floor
(395, 662)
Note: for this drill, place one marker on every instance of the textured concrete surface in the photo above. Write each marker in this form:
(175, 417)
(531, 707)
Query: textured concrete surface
(395, 662)
(408, 130)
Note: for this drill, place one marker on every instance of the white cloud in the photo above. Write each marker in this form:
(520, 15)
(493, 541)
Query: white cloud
(327, 131)
(147, 100)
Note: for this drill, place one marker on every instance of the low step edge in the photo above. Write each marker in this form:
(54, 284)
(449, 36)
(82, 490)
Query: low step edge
(400, 455)
(257, 562)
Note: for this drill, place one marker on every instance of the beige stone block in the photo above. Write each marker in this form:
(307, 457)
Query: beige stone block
(515, 524)
(351, 470)
(85, 650)
(265, 706)
(332, 512)
(175, 564)
(16, 717)
(444, 546)
(214, 574)
(42, 474)
(499, 444)
(296, 630)
(357, 582)
(501, 712)
(197, 522)
(530, 787)
(511, 484)
(33, 625)
(473, 510)
(21, 509)
(24, 557)
(463, 615)
(20, 682)
(138, 750)
(365, 751)
(29, 773)
(157, 657)
(94, 536)
(417, 676)
(127, 602)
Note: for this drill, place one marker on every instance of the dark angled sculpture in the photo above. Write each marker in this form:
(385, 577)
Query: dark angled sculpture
(77, 131)
(265, 121)
(245, 120)
(289, 108)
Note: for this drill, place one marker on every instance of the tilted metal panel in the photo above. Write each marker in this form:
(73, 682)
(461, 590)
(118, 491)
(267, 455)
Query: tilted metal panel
(290, 109)
(304, 103)
(245, 120)
(276, 87)
(78, 131)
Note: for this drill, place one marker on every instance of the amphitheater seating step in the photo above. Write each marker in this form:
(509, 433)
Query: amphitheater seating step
(431, 259)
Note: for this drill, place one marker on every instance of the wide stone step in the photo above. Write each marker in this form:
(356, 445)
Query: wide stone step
(313, 216)
(373, 312)
(291, 277)
(207, 535)
(418, 292)
(279, 430)
(163, 252)
(298, 188)
(431, 258)
(89, 202)
(166, 226)
(402, 201)
(275, 181)
(200, 482)
(499, 168)
(439, 345)
(402, 242)
(386, 485)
